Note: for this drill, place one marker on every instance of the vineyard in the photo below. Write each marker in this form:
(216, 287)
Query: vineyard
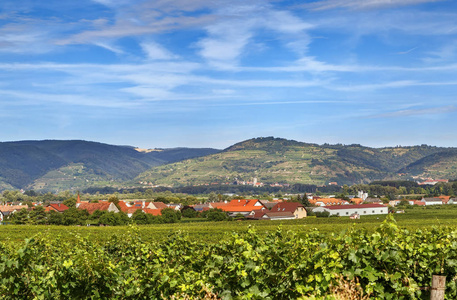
(386, 262)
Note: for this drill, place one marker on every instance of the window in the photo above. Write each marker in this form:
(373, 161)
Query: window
(373, 211)
(347, 213)
(365, 212)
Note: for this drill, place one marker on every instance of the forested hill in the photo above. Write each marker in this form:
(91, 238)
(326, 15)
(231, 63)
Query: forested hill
(53, 165)
(273, 160)
(65, 164)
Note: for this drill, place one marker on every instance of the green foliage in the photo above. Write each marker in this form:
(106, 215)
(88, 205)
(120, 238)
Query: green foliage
(71, 202)
(323, 214)
(215, 214)
(20, 217)
(169, 215)
(114, 219)
(189, 213)
(74, 216)
(387, 263)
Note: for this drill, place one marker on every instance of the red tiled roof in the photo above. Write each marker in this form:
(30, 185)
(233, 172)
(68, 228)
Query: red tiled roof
(154, 212)
(59, 207)
(356, 200)
(218, 204)
(326, 201)
(286, 206)
(159, 205)
(131, 210)
(123, 206)
(92, 207)
(12, 207)
(242, 205)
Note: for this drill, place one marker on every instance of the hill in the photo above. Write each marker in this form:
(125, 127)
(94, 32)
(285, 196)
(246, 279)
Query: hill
(271, 160)
(53, 164)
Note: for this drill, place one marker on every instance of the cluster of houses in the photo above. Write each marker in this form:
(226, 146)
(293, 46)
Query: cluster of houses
(440, 200)
(128, 207)
(249, 208)
(253, 209)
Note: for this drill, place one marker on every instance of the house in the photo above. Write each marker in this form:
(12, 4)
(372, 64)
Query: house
(432, 201)
(297, 209)
(7, 210)
(452, 201)
(268, 204)
(102, 206)
(201, 207)
(348, 210)
(131, 207)
(242, 206)
(174, 206)
(58, 207)
(394, 202)
(4, 215)
(445, 199)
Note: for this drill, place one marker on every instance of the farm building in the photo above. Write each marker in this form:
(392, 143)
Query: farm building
(348, 210)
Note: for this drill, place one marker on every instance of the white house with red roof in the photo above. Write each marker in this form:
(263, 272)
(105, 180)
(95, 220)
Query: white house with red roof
(348, 210)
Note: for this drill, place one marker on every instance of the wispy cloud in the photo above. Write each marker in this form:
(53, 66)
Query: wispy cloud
(417, 112)
(391, 84)
(155, 51)
(447, 53)
(363, 4)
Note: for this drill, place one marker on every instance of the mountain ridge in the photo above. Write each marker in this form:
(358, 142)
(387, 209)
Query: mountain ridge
(52, 165)
(24, 162)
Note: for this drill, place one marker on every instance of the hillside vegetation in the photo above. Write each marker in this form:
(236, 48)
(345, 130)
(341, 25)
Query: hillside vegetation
(273, 160)
(62, 165)
(53, 165)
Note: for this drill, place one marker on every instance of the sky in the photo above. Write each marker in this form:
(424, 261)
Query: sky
(211, 73)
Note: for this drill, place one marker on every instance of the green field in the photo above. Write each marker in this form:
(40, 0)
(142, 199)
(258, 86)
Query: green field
(312, 258)
(416, 218)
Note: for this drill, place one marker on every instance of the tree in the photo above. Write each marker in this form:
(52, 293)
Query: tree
(55, 218)
(38, 216)
(74, 216)
(215, 214)
(114, 219)
(114, 199)
(71, 202)
(169, 215)
(139, 217)
(212, 197)
(20, 217)
(305, 201)
(189, 213)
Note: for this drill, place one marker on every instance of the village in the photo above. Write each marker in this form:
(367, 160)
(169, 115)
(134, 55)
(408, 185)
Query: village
(241, 209)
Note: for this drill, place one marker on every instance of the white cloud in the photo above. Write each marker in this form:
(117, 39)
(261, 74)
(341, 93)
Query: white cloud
(226, 41)
(445, 54)
(155, 51)
(363, 4)
(418, 112)
(391, 84)
(110, 47)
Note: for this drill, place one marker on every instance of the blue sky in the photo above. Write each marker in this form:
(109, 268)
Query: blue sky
(210, 73)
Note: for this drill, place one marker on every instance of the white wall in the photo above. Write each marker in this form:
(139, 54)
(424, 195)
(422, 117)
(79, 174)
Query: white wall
(346, 212)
